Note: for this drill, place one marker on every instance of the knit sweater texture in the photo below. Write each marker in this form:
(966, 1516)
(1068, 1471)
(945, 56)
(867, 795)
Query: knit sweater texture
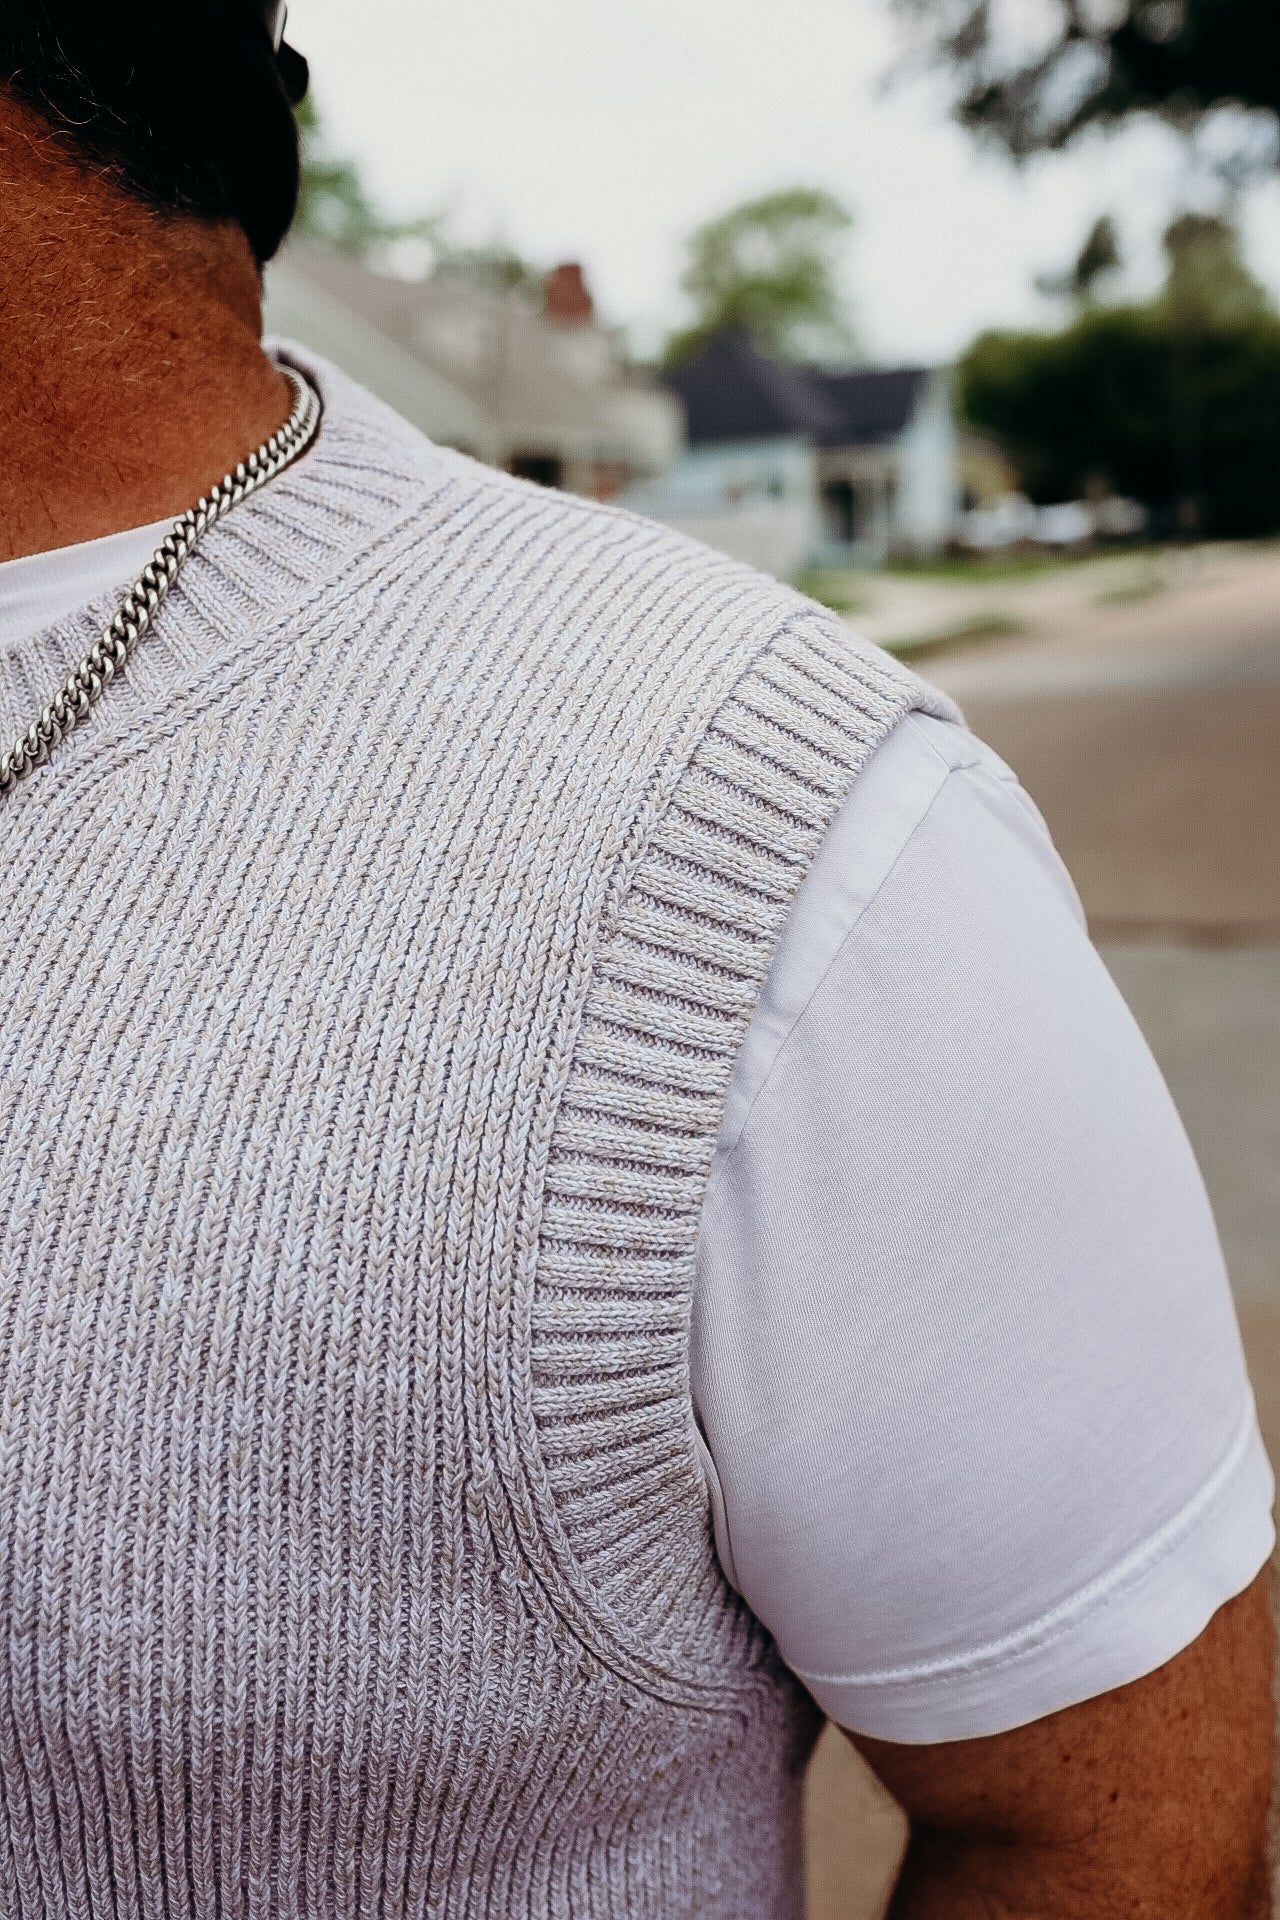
(375, 961)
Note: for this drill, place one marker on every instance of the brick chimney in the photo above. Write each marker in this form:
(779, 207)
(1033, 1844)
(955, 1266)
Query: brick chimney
(567, 298)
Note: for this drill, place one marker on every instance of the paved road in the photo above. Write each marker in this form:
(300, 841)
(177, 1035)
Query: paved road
(1213, 1019)
(1150, 737)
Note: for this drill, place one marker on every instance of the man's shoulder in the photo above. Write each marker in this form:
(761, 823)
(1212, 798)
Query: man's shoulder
(488, 533)
(453, 572)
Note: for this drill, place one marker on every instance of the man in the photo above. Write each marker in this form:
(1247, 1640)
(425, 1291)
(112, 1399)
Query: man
(568, 1167)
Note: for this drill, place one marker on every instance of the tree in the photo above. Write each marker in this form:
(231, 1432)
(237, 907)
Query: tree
(1098, 257)
(1207, 278)
(1176, 401)
(336, 208)
(769, 267)
(497, 266)
(334, 205)
(1100, 61)
(1209, 294)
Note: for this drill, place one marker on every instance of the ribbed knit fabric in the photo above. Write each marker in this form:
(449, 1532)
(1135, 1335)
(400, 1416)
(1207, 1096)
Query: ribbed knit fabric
(375, 960)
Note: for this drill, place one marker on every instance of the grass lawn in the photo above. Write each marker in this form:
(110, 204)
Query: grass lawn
(980, 568)
(983, 626)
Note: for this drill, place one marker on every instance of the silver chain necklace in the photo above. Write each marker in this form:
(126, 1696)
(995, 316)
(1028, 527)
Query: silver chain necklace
(89, 680)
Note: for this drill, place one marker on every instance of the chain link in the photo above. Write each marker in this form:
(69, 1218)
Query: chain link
(109, 654)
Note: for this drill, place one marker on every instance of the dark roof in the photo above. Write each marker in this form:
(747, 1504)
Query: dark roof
(733, 391)
(871, 405)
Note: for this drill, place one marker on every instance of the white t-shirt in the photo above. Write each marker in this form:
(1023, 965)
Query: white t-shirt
(973, 1408)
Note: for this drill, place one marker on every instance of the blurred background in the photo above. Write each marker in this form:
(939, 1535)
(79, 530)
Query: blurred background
(964, 317)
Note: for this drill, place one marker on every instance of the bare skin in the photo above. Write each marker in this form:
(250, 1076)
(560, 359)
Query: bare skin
(133, 377)
(1149, 1801)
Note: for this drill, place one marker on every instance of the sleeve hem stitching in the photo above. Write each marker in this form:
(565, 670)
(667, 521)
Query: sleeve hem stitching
(1069, 1615)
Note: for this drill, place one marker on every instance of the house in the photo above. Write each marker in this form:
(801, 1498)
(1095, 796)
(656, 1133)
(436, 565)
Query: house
(790, 466)
(525, 380)
(337, 308)
(888, 468)
(747, 482)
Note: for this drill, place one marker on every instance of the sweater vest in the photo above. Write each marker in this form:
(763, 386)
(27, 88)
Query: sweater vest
(375, 961)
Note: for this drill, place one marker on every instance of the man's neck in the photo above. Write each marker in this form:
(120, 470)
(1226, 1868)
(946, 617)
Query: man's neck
(132, 374)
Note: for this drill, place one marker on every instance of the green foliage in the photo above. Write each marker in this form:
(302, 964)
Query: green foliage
(1176, 402)
(333, 204)
(964, 633)
(498, 266)
(841, 588)
(335, 207)
(770, 267)
(1098, 257)
(1100, 61)
(1208, 279)
(982, 568)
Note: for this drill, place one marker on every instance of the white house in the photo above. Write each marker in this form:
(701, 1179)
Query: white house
(333, 306)
(533, 384)
(888, 466)
(757, 500)
(789, 466)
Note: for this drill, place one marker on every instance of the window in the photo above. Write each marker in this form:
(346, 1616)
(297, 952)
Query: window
(544, 469)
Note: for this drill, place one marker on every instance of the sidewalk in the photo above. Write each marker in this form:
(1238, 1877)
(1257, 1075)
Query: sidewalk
(1090, 602)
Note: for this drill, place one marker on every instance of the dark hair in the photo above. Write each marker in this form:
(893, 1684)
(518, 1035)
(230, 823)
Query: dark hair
(185, 101)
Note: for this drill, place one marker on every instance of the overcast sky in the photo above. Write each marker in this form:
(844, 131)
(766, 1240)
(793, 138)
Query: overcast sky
(604, 130)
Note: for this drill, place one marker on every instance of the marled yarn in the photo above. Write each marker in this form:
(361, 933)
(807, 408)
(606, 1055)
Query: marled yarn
(374, 964)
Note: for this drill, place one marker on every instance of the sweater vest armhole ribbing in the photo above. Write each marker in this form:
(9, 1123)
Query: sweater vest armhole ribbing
(677, 976)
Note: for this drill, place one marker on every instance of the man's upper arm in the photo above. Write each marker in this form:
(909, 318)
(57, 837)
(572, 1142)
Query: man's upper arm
(1150, 1799)
(963, 1348)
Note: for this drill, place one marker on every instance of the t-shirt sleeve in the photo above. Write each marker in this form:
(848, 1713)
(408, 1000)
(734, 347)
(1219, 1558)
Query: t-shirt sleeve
(980, 1439)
